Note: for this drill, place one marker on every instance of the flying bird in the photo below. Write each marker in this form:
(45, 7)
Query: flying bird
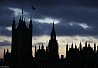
(33, 8)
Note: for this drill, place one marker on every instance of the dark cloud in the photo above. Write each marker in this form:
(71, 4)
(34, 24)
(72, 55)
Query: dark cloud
(66, 11)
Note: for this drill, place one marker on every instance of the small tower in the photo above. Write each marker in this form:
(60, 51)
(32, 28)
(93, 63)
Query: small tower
(72, 45)
(42, 47)
(35, 50)
(86, 44)
(80, 46)
(66, 50)
(89, 45)
(30, 25)
(94, 47)
(39, 47)
(75, 46)
(46, 49)
(4, 52)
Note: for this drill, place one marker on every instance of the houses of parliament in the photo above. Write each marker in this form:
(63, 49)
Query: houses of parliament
(21, 51)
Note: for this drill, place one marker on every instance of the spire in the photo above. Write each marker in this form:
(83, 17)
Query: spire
(94, 47)
(46, 49)
(35, 50)
(80, 46)
(4, 51)
(39, 47)
(22, 11)
(53, 33)
(66, 49)
(86, 44)
(89, 45)
(75, 46)
(72, 45)
(53, 24)
(97, 49)
(42, 47)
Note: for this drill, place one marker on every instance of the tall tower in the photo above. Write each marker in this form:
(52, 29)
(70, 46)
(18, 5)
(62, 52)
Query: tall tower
(53, 45)
(21, 48)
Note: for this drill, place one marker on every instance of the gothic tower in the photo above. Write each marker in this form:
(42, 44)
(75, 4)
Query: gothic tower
(53, 45)
(21, 48)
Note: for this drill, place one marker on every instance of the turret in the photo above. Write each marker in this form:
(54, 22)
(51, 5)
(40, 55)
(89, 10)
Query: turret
(46, 49)
(72, 45)
(75, 46)
(94, 47)
(35, 50)
(86, 44)
(42, 47)
(66, 50)
(4, 52)
(39, 47)
(89, 45)
(30, 25)
(13, 24)
(80, 46)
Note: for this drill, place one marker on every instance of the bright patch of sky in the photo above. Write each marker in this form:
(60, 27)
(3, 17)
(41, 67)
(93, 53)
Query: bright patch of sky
(47, 20)
(62, 41)
(17, 11)
(9, 28)
(83, 25)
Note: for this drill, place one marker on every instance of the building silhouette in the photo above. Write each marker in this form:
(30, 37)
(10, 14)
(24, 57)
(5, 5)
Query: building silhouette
(21, 51)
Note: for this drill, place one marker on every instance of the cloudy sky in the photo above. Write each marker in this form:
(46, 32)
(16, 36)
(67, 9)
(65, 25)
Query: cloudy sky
(75, 20)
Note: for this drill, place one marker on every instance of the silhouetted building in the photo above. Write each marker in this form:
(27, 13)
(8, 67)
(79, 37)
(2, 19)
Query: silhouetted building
(21, 51)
